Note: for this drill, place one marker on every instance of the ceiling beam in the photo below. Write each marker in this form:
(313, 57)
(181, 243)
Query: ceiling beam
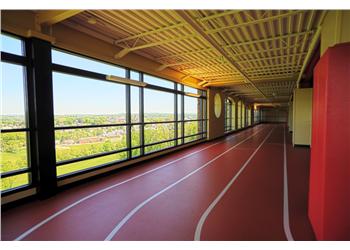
(220, 14)
(125, 51)
(270, 58)
(184, 54)
(261, 20)
(50, 17)
(197, 28)
(150, 32)
(190, 61)
(254, 52)
(269, 39)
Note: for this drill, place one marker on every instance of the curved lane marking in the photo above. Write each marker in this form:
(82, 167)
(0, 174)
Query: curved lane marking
(53, 216)
(204, 216)
(142, 204)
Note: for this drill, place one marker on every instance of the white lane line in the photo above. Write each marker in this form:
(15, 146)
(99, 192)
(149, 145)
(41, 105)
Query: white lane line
(51, 217)
(286, 225)
(142, 204)
(197, 235)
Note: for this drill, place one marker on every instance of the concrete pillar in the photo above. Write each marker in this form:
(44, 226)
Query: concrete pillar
(290, 117)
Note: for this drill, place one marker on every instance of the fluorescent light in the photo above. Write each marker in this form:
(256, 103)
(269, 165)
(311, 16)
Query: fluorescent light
(192, 94)
(125, 80)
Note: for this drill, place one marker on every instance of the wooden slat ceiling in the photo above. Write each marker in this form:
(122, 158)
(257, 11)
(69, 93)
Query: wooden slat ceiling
(268, 47)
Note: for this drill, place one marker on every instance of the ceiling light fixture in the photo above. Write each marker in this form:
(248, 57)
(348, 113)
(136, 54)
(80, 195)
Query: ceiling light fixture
(125, 81)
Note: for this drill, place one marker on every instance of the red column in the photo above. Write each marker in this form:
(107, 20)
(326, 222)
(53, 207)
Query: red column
(329, 197)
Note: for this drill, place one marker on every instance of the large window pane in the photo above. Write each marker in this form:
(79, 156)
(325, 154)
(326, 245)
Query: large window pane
(82, 165)
(239, 115)
(191, 128)
(158, 132)
(75, 143)
(191, 108)
(134, 75)
(80, 62)
(153, 148)
(135, 136)
(193, 138)
(188, 89)
(233, 116)
(158, 81)
(82, 101)
(158, 106)
(12, 45)
(135, 103)
(12, 97)
(13, 151)
(14, 181)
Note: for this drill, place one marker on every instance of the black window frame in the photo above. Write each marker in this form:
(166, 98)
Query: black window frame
(30, 123)
(177, 120)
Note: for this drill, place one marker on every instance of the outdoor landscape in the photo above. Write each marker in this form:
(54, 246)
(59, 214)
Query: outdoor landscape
(75, 143)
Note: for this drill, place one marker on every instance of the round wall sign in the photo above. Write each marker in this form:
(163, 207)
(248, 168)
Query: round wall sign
(217, 105)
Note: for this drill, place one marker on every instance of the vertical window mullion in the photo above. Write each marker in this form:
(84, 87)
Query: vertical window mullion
(30, 117)
(128, 116)
(182, 116)
(142, 118)
(175, 115)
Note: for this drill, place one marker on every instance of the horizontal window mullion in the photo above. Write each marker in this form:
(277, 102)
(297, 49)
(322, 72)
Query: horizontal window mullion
(14, 190)
(16, 59)
(194, 120)
(160, 122)
(78, 72)
(13, 130)
(160, 142)
(15, 172)
(201, 133)
(89, 157)
(92, 126)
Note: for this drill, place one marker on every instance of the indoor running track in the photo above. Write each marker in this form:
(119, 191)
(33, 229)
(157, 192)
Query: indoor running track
(251, 185)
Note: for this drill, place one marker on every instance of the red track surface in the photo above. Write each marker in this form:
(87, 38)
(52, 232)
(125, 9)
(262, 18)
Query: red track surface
(252, 208)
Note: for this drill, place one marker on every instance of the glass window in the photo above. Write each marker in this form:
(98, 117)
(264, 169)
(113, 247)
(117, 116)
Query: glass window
(82, 101)
(233, 116)
(75, 143)
(135, 104)
(158, 81)
(159, 132)
(191, 128)
(157, 147)
(14, 181)
(249, 116)
(188, 89)
(191, 108)
(135, 136)
(134, 75)
(239, 114)
(82, 165)
(12, 45)
(12, 98)
(14, 144)
(80, 62)
(243, 116)
(13, 151)
(158, 106)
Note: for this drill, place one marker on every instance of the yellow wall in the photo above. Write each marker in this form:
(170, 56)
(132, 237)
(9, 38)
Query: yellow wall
(335, 29)
(216, 126)
(290, 117)
(302, 115)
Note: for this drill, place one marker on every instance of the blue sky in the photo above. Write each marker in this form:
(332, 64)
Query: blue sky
(77, 95)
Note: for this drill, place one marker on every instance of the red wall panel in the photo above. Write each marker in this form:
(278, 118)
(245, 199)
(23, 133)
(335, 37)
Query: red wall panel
(329, 198)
